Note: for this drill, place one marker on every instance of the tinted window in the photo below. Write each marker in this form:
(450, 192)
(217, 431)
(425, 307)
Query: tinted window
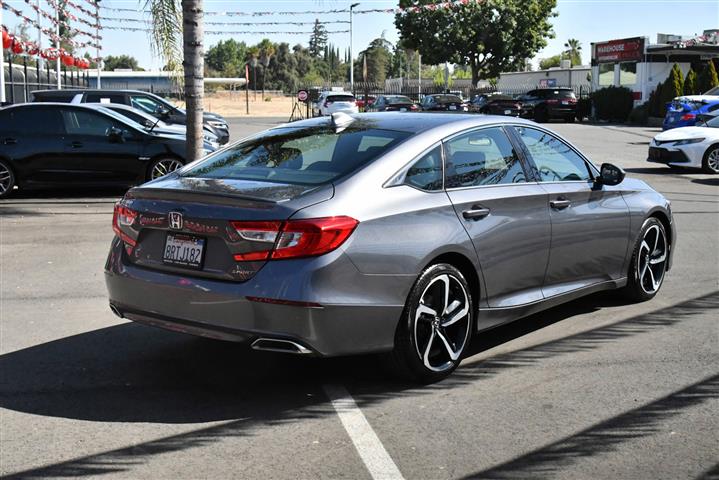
(563, 94)
(714, 122)
(448, 99)
(146, 104)
(135, 117)
(37, 121)
(340, 98)
(554, 159)
(426, 173)
(482, 157)
(83, 122)
(104, 98)
(310, 156)
(398, 100)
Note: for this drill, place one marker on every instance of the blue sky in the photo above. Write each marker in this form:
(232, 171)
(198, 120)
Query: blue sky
(587, 20)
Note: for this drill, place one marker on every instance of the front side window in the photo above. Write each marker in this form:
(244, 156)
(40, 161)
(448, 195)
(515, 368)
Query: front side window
(482, 157)
(303, 156)
(554, 160)
(426, 172)
(82, 122)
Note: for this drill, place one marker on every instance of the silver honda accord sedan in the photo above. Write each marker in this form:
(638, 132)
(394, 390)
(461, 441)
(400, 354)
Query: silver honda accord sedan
(385, 232)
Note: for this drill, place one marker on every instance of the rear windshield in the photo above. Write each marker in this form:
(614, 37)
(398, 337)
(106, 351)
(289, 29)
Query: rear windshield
(447, 99)
(341, 98)
(398, 100)
(680, 104)
(302, 156)
(562, 94)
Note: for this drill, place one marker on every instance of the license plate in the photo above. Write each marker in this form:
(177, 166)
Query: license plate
(452, 107)
(183, 250)
(507, 112)
(565, 102)
(402, 109)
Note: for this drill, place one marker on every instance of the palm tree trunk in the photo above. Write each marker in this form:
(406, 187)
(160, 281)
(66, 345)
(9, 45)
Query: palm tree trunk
(194, 66)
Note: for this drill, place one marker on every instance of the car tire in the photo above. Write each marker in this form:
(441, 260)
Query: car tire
(163, 164)
(649, 261)
(7, 179)
(710, 162)
(541, 115)
(429, 347)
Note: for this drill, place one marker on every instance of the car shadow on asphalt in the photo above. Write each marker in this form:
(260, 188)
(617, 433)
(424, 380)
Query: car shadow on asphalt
(52, 195)
(132, 373)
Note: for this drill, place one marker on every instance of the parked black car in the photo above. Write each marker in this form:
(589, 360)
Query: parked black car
(156, 106)
(495, 104)
(394, 103)
(543, 104)
(443, 102)
(61, 144)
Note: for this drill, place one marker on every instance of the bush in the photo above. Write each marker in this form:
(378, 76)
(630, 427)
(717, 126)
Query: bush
(584, 107)
(707, 78)
(613, 103)
(639, 115)
(690, 83)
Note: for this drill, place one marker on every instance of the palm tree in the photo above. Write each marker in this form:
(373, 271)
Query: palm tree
(170, 19)
(573, 51)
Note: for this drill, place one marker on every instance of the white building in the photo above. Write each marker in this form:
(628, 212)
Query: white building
(577, 77)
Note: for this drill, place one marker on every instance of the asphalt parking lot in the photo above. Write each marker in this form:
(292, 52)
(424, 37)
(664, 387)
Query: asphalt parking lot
(592, 389)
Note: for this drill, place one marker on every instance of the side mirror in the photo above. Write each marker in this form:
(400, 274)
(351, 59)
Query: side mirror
(114, 134)
(611, 174)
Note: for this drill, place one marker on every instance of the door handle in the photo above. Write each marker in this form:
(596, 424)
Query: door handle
(76, 144)
(475, 213)
(560, 203)
(9, 141)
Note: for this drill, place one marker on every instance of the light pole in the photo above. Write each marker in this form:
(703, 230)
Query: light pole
(352, 57)
(2, 69)
(57, 45)
(253, 62)
(97, 50)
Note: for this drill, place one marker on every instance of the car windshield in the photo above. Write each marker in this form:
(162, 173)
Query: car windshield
(681, 105)
(447, 99)
(714, 123)
(302, 156)
(398, 99)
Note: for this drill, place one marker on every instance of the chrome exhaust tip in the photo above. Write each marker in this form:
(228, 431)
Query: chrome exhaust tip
(280, 345)
(116, 311)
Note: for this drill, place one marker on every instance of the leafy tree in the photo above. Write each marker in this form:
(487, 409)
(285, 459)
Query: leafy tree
(112, 62)
(553, 61)
(690, 83)
(573, 51)
(379, 60)
(676, 82)
(707, 77)
(227, 58)
(318, 39)
(490, 37)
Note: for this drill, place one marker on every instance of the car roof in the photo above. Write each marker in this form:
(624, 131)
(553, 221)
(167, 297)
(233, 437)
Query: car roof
(413, 122)
(89, 90)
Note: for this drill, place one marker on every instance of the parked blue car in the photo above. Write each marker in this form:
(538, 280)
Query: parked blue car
(683, 111)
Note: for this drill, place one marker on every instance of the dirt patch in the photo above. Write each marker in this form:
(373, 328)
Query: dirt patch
(232, 104)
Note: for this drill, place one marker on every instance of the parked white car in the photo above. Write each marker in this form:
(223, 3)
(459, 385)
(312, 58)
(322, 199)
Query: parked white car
(333, 102)
(696, 147)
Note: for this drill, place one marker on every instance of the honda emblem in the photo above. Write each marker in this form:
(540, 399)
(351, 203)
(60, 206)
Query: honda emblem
(175, 220)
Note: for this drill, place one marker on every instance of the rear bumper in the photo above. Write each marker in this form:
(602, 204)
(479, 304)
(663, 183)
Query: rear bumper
(350, 313)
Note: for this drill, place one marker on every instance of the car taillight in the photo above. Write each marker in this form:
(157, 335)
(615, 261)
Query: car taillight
(123, 216)
(689, 116)
(294, 238)
(414, 108)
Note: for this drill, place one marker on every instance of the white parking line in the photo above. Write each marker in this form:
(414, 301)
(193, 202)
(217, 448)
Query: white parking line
(370, 449)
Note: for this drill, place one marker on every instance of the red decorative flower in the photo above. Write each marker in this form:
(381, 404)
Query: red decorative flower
(6, 39)
(17, 46)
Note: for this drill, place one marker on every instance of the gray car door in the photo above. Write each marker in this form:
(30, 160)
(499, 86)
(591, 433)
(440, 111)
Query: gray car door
(506, 216)
(590, 223)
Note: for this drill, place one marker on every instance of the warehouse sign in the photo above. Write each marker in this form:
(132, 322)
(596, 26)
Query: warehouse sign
(625, 50)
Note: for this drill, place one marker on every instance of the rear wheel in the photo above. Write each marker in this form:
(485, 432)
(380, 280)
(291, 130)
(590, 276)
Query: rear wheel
(541, 115)
(710, 163)
(163, 166)
(7, 179)
(436, 325)
(649, 262)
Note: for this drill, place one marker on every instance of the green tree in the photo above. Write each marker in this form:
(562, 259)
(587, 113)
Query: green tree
(553, 61)
(227, 58)
(177, 36)
(690, 83)
(379, 60)
(676, 81)
(490, 37)
(318, 39)
(112, 62)
(707, 77)
(573, 51)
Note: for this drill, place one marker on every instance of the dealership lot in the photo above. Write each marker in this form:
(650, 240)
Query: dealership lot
(592, 389)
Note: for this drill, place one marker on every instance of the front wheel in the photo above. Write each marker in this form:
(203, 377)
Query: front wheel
(710, 163)
(163, 166)
(7, 179)
(649, 262)
(436, 325)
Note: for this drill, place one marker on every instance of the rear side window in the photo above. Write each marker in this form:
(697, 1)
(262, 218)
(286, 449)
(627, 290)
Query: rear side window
(482, 157)
(426, 173)
(81, 122)
(304, 156)
(35, 121)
